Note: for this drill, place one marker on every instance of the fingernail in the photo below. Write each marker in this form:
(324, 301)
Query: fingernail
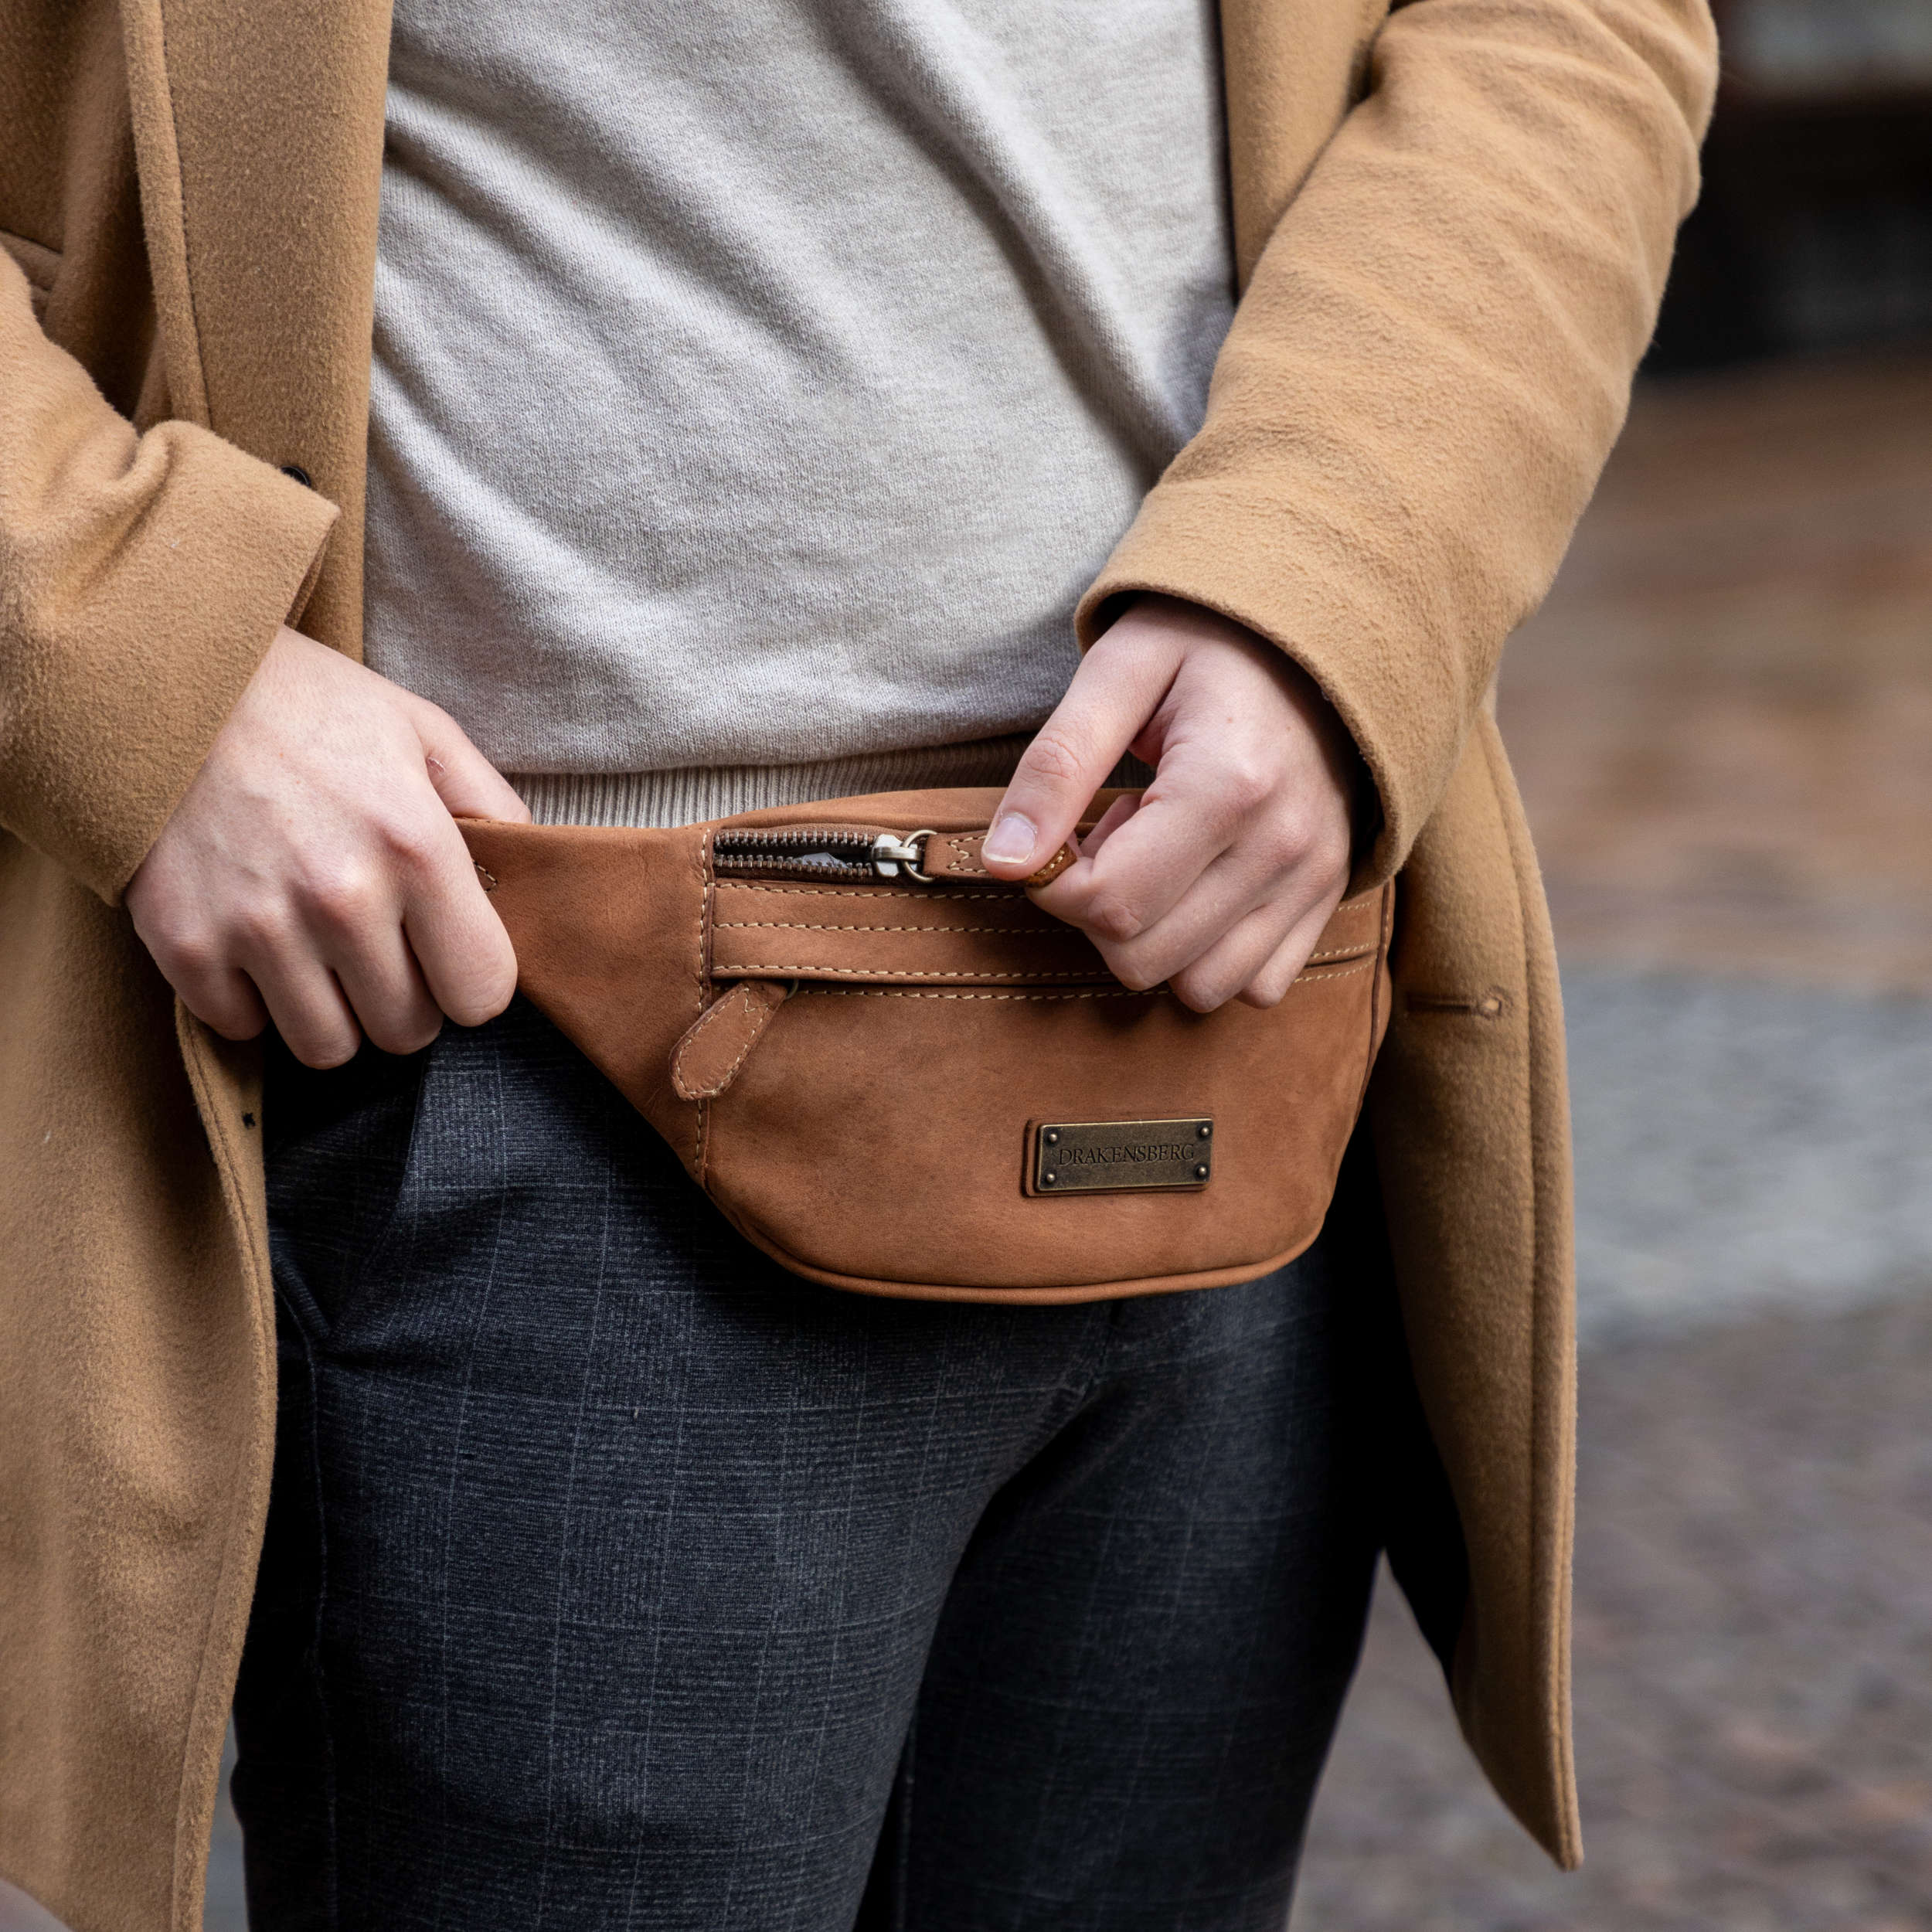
(1011, 840)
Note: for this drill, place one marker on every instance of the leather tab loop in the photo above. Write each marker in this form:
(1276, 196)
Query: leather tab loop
(1052, 869)
(954, 856)
(718, 1042)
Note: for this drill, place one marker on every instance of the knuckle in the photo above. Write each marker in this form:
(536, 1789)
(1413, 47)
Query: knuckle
(474, 1006)
(1335, 849)
(404, 1033)
(193, 954)
(325, 1049)
(261, 929)
(1280, 844)
(407, 842)
(1056, 755)
(1113, 919)
(481, 984)
(1201, 993)
(231, 1022)
(341, 895)
(1246, 783)
(497, 996)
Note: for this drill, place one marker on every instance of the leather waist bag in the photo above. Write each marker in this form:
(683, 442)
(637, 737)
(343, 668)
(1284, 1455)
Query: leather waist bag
(895, 1073)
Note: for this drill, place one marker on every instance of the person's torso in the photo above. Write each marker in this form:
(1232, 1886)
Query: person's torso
(764, 382)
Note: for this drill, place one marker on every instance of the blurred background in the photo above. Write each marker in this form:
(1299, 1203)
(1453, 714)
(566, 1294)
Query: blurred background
(1723, 723)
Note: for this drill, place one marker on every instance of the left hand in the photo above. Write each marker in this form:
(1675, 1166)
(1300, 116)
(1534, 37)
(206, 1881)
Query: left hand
(1221, 878)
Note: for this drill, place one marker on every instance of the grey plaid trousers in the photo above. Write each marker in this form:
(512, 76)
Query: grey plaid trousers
(617, 1579)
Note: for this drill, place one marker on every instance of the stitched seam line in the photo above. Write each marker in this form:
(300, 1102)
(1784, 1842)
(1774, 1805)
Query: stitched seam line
(1301, 979)
(800, 926)
(1384, 925)
(727, 885)
(706, 886)
(898, 992)
(712, 1088)
(1003, 932)
(725, 969)
(685, 1090)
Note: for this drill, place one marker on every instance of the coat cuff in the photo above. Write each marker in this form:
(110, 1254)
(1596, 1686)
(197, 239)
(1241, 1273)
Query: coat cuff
(135, 671)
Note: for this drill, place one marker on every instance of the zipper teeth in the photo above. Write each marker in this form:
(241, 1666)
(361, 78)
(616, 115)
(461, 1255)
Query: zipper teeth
(781, 868)
(844, 854)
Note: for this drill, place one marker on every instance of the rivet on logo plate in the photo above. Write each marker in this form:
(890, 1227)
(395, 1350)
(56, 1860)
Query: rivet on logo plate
(1201, 1173)
(1052, 1137)
(1047, 1180)
(1204, 1129)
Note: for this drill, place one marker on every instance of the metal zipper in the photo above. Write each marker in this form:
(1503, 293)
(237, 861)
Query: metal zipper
(842, 853)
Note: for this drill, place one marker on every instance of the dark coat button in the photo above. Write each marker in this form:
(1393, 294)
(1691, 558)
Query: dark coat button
(301, 475)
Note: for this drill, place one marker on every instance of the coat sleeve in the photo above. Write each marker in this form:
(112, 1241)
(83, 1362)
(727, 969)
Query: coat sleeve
(1431, 361)
(142, 578)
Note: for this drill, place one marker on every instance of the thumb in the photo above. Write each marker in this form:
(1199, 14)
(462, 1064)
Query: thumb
(1113, 695)
(469, 785)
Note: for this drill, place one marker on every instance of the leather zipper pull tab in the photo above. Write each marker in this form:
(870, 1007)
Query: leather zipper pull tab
(1052, 869)
(718, 1042)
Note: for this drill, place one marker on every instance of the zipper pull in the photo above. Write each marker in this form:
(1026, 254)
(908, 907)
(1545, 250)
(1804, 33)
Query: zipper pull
(889, 856)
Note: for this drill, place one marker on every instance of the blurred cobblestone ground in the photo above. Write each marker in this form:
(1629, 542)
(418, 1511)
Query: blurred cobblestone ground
(1753, 1663)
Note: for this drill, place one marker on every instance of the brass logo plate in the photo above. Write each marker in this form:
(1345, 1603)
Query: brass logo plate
(1116, 1157)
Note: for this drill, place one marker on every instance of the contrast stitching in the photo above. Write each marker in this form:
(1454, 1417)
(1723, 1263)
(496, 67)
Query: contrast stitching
(859, 972)
(742, 993)
(895, 992)
(1383, 927)
(705, 889)
(880, 972)
(800, 926)
(1354, 951)
(685, 1045)
(1014, 897)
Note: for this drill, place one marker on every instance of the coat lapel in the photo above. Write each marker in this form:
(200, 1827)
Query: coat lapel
(1293, 68)
(258, 128)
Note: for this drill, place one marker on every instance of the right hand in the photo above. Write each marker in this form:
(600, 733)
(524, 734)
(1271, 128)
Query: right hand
(314, 875)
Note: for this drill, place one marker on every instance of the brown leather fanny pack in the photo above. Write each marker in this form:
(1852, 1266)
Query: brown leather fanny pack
(895, 1073)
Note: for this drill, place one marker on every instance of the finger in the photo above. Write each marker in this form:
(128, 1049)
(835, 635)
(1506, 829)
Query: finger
(1284, 966)
(308, 1007)
(1190, 827)
(1230, 957)
(219, 997)
(469, 785)
(1216, 905)
(465, 956)
(1109, 822)
(1257, 960)
(386, 990)
(1113, 695)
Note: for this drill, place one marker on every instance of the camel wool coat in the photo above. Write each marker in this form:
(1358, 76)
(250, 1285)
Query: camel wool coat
(1453, 221)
